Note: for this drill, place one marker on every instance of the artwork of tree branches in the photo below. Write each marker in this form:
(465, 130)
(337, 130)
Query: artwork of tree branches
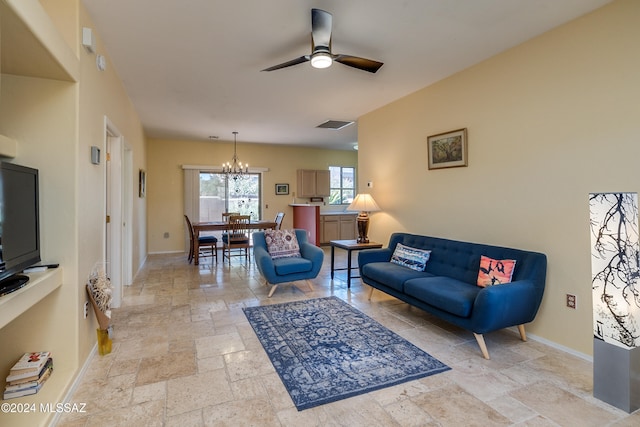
(615, 271)
(448, 149)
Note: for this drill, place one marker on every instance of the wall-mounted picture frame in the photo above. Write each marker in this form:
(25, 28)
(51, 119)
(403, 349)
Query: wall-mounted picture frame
(282, 189)
(142, 183)
(447, 150)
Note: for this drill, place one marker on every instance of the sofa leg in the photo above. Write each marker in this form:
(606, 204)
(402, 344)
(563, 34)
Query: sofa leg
(371, 292)
(483, 346)
(523, 334)
(273, 289)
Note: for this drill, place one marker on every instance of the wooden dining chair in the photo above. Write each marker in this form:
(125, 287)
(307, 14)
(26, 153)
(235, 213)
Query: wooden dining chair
(278, 220)
(227, 215)
(207, 246)
(237, 238)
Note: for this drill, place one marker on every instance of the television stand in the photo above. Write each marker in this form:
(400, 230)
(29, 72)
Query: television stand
(12, 284)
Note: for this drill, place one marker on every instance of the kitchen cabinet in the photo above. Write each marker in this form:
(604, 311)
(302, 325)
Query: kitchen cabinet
(337, 227)
(313, 183)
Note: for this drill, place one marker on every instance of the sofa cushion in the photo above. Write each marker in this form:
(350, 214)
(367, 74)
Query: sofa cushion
(291, 265)
(450, 295)
(495, 272)
(282, 243)
(413, 258)
(391, 275)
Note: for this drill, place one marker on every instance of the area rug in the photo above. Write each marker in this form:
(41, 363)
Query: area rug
(325, 350)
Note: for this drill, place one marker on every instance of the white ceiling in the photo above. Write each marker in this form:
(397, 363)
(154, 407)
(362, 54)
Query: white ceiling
(192, 67)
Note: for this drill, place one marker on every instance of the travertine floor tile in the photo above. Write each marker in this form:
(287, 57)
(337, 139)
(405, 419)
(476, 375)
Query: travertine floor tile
(197, 391)
(562, 406)
(185, 355)
(452, 406)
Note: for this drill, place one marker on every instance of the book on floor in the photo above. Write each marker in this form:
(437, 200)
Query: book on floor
(31, 381)
(23, 392)
(29, 365)
(31, 385)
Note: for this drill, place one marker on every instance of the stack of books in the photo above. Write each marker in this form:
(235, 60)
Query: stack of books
(28, 374)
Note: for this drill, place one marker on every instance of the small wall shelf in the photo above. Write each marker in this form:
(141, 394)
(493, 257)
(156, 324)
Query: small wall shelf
(40, 285)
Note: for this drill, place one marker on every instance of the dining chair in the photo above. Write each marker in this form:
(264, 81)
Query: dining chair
(207, 246)
(237, 237)
(227, 215)
(278, 220)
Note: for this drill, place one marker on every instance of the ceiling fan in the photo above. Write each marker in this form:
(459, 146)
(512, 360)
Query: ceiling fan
(321, 56)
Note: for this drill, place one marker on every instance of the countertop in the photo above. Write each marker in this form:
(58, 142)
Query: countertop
(338, 213)
(323, 212)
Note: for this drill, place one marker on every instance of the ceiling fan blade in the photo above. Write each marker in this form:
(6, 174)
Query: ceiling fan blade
(359, 63)
(289, 63)
(321, 22)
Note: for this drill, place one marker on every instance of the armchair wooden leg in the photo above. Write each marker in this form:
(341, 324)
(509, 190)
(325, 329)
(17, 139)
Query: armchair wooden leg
(371, 293)
(523, 334)
(310, 284)
(483, 346)
(273, 289)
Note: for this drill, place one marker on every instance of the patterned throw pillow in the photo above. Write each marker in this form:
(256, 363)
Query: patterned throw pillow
(495, 272)
(282, 243)
(415, 259)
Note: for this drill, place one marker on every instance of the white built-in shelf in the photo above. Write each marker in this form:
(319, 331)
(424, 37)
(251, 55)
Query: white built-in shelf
(39, 286)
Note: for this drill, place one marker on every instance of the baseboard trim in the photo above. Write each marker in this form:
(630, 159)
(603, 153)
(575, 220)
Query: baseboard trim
(76, 383)
(557, 346)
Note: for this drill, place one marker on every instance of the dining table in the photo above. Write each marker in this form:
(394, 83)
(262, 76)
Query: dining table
(222, 226)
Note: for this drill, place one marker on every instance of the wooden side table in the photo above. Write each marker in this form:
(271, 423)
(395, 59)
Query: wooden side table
(349, 246)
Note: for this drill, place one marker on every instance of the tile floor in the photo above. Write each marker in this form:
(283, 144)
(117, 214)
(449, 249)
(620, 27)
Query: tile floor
(185, 355)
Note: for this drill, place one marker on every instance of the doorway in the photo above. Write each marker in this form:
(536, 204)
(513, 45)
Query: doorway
(119, 199)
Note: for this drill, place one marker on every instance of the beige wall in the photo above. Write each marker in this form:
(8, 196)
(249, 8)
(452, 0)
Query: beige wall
(165, 185)
(548, 122)
(55, 123)
(102, 96)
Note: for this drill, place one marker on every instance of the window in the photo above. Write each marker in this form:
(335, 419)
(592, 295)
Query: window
(218, 196)
(343, 184)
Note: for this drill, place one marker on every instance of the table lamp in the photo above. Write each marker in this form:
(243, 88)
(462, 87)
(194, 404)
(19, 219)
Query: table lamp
(364, 204)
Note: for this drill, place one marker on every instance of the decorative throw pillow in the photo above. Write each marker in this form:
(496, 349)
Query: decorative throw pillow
(495, 272)
(415, 259)
(282, 243)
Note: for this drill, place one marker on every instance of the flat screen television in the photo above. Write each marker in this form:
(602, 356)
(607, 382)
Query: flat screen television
(19, 224)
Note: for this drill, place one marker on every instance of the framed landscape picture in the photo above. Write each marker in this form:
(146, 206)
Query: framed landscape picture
(282, 189)
(447, 150)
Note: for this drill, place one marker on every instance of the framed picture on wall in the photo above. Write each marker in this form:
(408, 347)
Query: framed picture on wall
(282, 189)
(142, 183)
(447, 150)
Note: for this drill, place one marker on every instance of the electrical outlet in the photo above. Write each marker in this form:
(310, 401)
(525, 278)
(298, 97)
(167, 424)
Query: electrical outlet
(572, 301)
(86, 309)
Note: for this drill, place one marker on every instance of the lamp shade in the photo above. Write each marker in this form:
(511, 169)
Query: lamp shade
(364, 203)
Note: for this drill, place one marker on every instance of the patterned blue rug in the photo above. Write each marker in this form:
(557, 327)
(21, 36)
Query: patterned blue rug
(325, 350)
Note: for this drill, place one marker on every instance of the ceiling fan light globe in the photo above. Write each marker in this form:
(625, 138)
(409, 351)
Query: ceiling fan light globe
(321, 60)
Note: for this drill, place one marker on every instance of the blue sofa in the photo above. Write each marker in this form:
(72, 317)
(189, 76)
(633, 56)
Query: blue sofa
(447, 286)
(283, 270)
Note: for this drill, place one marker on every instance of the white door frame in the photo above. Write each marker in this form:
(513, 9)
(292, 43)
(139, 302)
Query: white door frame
(118, 235)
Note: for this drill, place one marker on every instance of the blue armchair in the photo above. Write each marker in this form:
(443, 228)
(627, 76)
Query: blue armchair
(284, 270)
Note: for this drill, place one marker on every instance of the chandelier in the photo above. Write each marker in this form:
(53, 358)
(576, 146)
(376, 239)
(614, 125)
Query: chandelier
(235, 169)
